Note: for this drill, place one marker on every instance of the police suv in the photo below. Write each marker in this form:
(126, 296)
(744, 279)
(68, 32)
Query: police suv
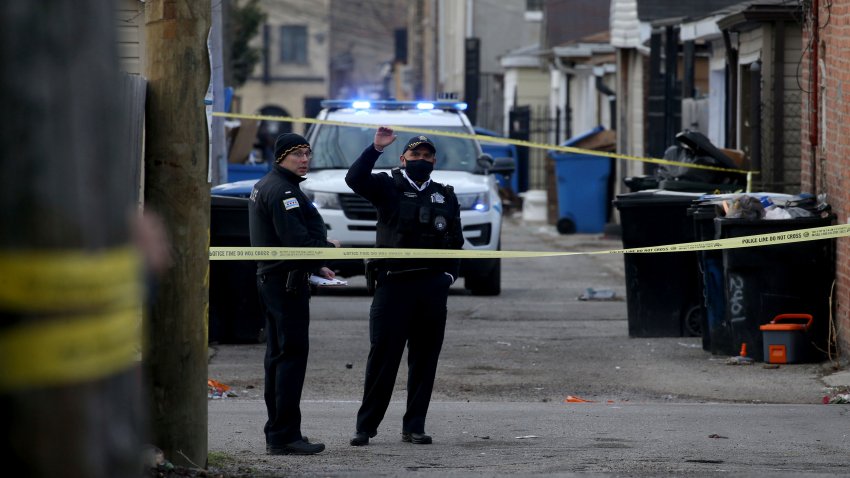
(460, 163)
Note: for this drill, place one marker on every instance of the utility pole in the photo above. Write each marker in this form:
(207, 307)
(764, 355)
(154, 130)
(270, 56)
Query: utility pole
(176, 187)
(70, 290)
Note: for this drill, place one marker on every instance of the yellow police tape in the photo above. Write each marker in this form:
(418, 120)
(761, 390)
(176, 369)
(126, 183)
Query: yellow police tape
(289, 253)
(72, 316)
(489, 139)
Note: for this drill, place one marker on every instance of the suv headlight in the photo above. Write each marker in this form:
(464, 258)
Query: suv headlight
(474, 202)
(323, 200)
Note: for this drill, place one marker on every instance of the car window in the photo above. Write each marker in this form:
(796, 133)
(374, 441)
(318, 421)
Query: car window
(339, 146)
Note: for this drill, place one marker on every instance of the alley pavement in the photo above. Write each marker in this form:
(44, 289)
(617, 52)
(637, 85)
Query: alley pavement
(512, 377)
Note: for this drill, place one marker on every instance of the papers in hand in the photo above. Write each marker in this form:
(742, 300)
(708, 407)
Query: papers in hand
(322, 282)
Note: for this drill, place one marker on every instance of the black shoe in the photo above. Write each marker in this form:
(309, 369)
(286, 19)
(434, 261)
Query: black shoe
(361, 438)
(416, 438)
(298, 447)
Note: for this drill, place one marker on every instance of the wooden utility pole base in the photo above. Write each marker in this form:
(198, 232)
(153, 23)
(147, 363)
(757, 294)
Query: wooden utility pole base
(176, 187)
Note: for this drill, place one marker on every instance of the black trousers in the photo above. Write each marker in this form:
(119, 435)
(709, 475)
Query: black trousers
(287, 344)
(412, 311)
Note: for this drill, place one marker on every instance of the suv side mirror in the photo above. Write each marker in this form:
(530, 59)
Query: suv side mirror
(505, 166)
(484, 162)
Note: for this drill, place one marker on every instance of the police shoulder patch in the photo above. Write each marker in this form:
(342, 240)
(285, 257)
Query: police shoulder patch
(290, 203)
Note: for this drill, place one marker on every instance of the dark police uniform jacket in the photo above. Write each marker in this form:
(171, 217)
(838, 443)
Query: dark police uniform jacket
(280, 215)
(407, 218)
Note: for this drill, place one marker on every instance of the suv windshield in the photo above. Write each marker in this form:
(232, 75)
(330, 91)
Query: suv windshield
(338, 147)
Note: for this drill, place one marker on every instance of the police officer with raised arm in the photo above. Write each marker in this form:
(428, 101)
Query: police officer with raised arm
(280, 215)
(409, 307)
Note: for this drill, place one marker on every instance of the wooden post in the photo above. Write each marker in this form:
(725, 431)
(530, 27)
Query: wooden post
(70, 295)
(176, 187)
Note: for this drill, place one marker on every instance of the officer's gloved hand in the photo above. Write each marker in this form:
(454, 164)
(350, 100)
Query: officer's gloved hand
(450, 277)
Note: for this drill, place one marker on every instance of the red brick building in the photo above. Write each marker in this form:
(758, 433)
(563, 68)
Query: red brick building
(825, 78)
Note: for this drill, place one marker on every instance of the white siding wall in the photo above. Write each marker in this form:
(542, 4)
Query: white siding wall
(584, 102)
(511, 80)
(717, 94)
(636, 108)
(558, 98)
(750, 46)
(625, 26)
(131, 33)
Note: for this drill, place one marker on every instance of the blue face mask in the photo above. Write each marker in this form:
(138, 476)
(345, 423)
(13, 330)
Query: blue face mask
(419, 170)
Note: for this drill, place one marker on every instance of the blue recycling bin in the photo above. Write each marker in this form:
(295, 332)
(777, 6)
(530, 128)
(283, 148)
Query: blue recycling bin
(582, 188)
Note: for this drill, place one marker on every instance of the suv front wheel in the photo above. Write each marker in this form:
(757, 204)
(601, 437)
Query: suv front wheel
(484, 277)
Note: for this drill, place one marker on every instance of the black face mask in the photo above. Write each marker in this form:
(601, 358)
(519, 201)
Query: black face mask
(419, 170)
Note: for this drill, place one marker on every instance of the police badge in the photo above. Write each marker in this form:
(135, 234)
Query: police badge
(440, 223)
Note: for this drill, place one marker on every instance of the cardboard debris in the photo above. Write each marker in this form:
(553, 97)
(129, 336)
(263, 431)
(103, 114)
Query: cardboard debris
(243, 141)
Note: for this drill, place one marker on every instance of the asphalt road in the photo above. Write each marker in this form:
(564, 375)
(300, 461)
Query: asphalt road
(507, 365)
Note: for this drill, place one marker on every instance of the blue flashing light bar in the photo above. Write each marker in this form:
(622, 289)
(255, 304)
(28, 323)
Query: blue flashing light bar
(395, 105)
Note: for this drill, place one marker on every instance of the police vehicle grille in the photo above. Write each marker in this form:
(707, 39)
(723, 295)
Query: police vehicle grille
(355, 207)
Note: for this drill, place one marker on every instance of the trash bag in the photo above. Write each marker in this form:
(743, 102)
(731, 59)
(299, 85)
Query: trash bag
(693, 147)
(746, 207)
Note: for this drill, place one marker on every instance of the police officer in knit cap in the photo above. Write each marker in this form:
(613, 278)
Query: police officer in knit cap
(409, 306)
(280, 215)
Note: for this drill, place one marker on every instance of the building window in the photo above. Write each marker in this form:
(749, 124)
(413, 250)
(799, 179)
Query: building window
(293, 44)
(534, 10)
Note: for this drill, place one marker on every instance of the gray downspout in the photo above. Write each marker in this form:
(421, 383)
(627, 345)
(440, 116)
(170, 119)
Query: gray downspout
(568, 113)
(612, 100)
(731, 92)
(755, 115)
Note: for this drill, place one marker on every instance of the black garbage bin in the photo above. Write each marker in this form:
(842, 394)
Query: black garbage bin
(663, 292)
(234, 315)
(763, 282)
(716, 332)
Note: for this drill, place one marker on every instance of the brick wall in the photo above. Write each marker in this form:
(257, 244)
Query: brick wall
(832, 167)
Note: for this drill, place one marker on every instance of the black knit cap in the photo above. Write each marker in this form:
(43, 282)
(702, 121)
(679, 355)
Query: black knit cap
(287, 143)
(419, 140)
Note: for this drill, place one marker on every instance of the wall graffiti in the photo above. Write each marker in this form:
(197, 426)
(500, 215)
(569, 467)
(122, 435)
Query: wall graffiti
(737, 306)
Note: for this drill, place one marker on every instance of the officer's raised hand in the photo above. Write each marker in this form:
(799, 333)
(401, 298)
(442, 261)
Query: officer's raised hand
(384, 137)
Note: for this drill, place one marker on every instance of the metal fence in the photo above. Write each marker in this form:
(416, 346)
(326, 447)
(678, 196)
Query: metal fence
(538, 124)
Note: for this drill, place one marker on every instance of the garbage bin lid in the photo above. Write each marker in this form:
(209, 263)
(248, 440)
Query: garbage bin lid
(658, 197)
(788, 322)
